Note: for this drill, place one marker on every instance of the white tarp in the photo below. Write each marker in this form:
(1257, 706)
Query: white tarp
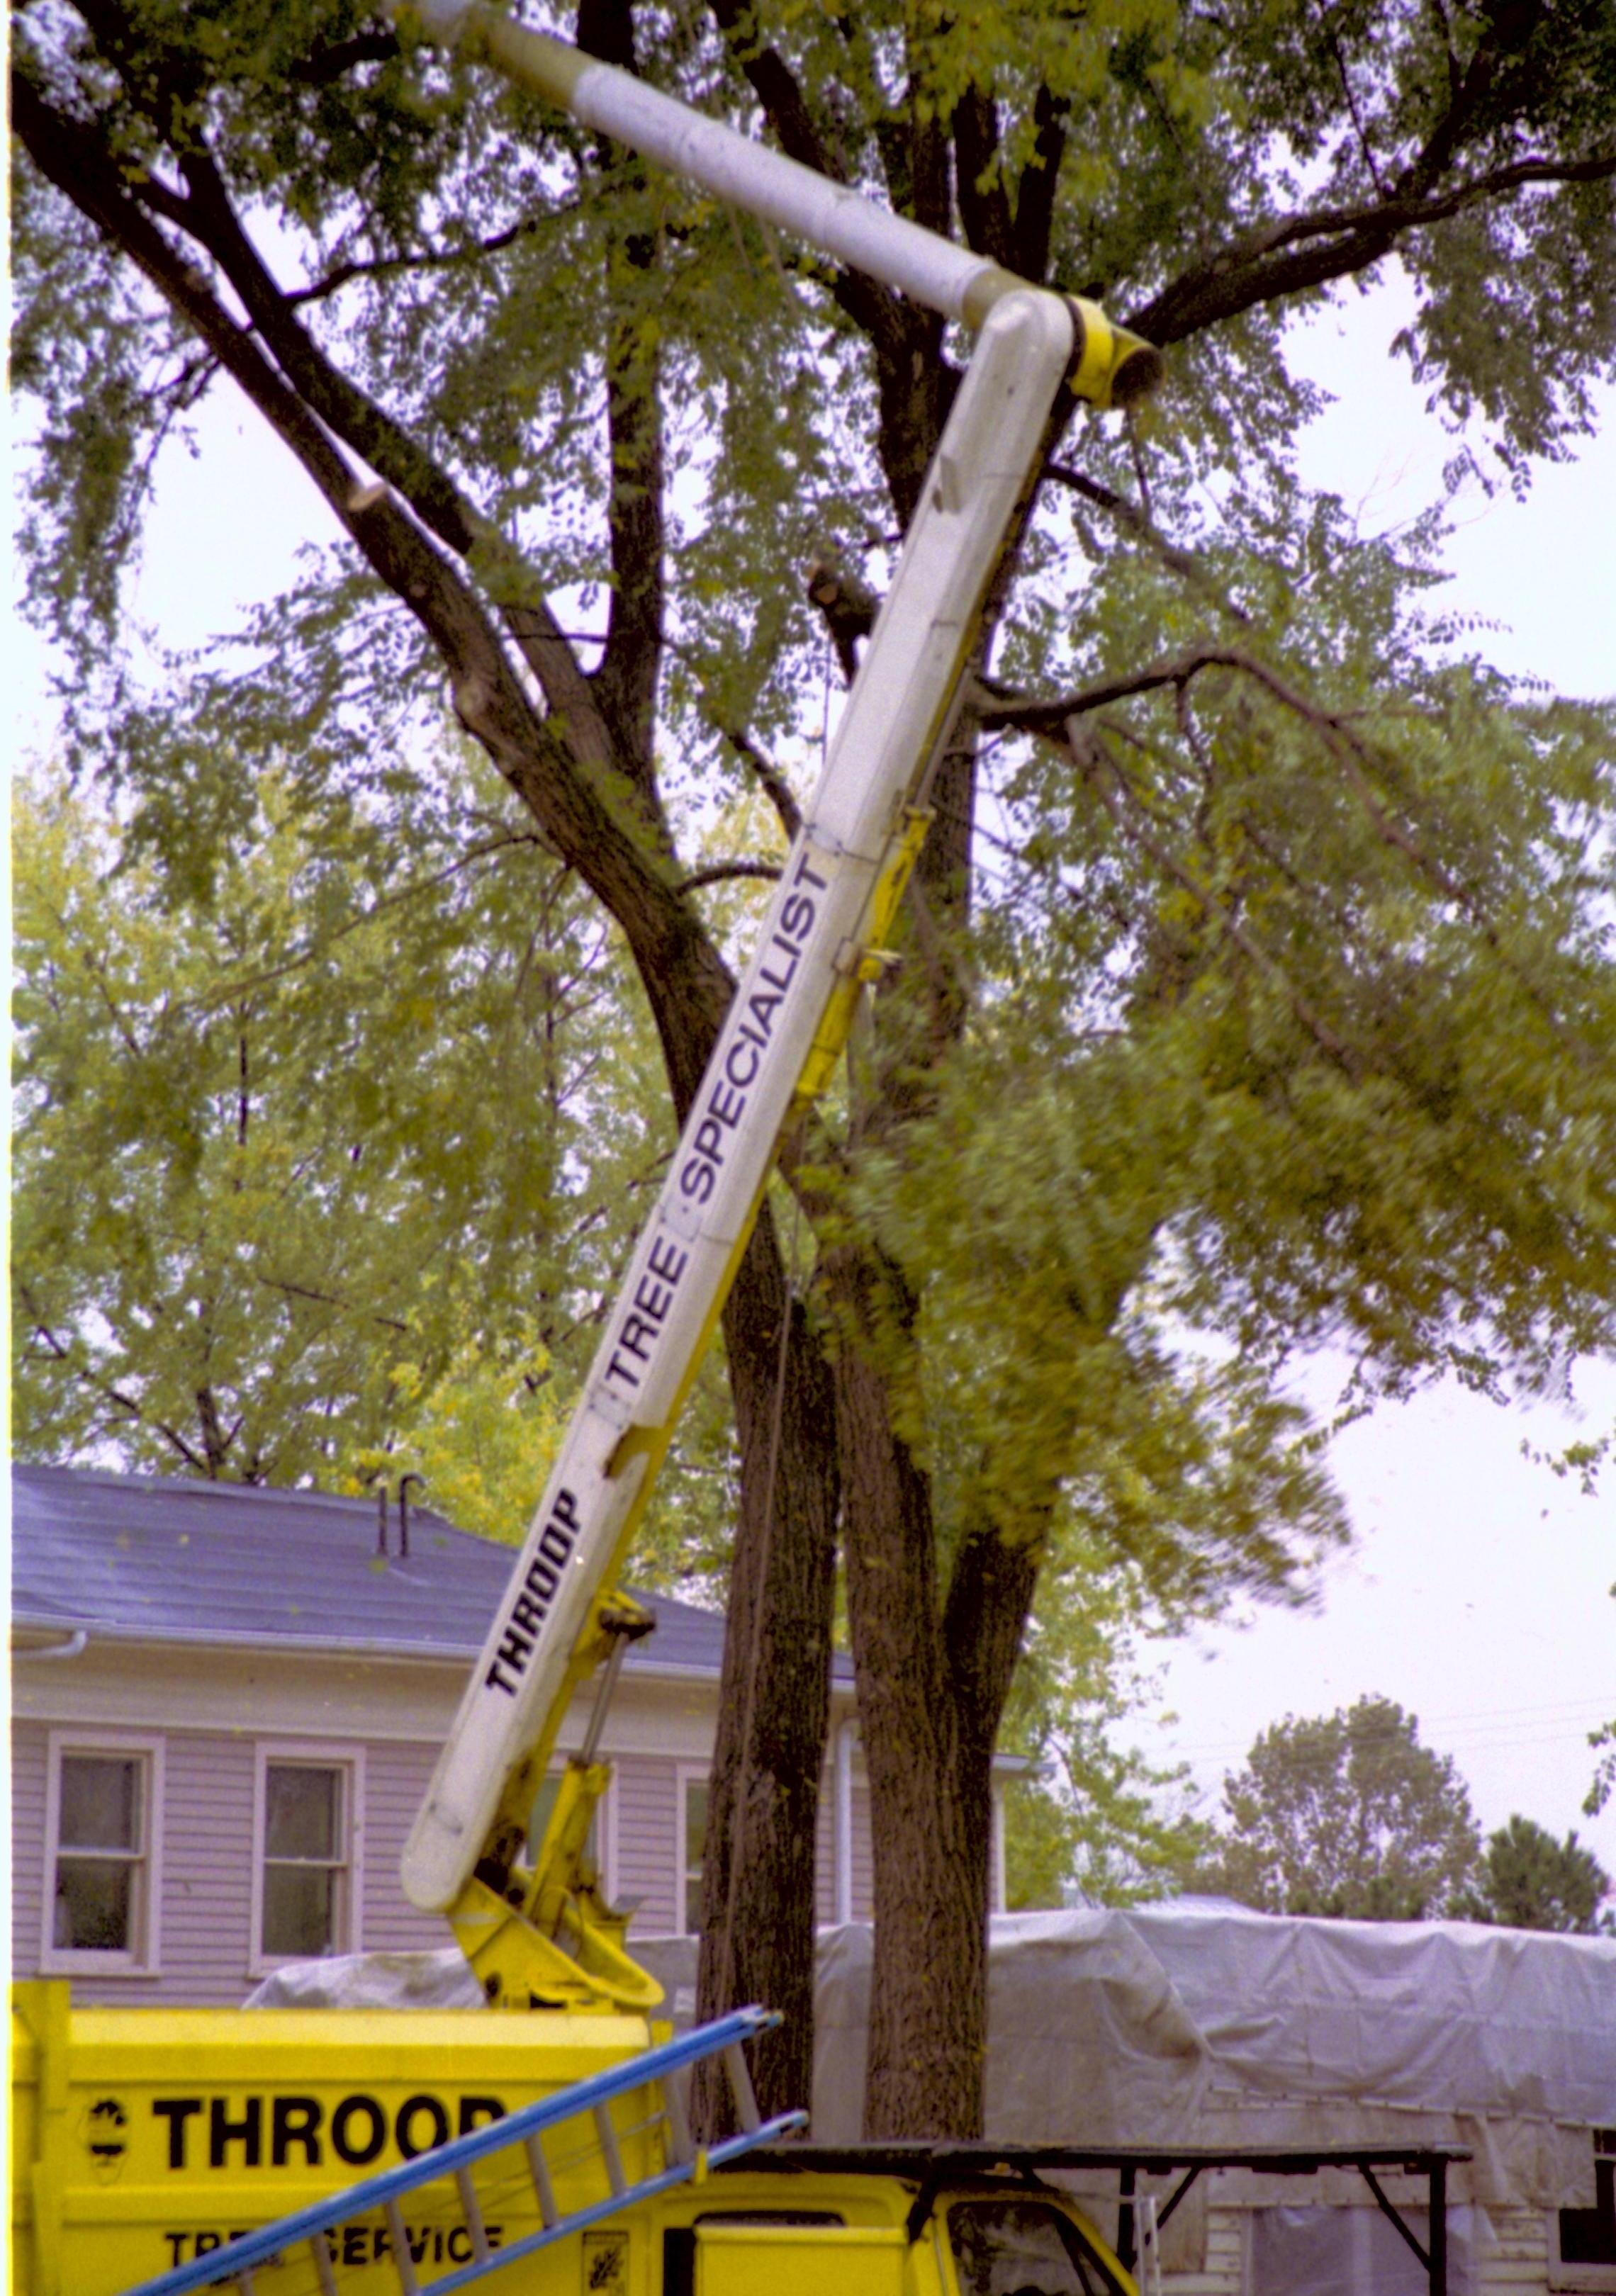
(1211, 2025)
(1435, 2015)
(372, 1981)
(1177, 2024)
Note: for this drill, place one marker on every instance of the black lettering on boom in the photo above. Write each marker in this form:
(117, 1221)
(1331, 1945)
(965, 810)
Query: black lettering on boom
(726, 1102)
(530, 1606)
(647, 1312)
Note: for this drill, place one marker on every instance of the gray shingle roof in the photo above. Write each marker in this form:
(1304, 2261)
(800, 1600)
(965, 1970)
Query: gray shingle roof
(148, 1558)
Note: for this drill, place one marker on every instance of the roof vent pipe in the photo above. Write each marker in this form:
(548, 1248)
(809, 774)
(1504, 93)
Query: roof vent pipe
(404, 1512)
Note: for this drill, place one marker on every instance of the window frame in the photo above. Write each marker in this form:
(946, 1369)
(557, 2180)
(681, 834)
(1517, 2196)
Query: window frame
(310, 1754)
(1081, 2254)
(687, 1775)
(1586, 2279)
(143, 1957)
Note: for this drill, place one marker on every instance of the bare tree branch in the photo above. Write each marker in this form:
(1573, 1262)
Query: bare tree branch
(1138, 521)
(429, 258)
(1121, 801)
(770, 779)
(721, 872)
(1277, 262)
(129, 1406)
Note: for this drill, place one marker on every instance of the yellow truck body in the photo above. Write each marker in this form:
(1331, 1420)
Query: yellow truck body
(146, 2138)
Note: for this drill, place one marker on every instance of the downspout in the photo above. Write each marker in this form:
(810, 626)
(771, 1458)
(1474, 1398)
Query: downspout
(845, 1737)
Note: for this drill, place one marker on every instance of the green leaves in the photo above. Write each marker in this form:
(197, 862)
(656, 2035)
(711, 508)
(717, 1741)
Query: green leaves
(273, 1218)
(1349, 1817)
(1529, 1881)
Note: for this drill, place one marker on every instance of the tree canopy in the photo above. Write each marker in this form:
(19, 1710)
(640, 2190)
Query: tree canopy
(270, 1219)
(265, 1193)
(1258, 985)
(1347, 1815)
(1530, 1881)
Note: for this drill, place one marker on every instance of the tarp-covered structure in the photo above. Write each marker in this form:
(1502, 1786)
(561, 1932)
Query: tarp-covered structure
(1216, 2028)
(1206, 2024)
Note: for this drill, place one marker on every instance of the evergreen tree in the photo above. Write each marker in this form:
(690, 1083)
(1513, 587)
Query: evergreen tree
(1529, 1881)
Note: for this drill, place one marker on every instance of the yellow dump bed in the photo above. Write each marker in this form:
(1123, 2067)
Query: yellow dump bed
(144, 2138)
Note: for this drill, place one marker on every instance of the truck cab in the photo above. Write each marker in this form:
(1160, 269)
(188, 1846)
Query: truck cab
(867, 2224)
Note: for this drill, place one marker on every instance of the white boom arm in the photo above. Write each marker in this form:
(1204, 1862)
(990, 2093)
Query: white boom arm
(845, 868)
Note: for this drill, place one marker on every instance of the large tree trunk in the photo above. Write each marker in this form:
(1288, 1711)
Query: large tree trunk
(933, 1676)
(927, 2027)
(757, 1880)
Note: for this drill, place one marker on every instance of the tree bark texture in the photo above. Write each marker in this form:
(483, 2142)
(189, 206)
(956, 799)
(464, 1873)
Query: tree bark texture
(757, 1881)
(933, 1675)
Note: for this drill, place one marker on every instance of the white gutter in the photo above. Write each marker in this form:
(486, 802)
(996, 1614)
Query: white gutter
(639, 1665)
(72, 1648)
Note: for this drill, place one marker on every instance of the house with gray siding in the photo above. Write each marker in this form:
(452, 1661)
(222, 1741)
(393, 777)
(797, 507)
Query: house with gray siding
(227, 1705)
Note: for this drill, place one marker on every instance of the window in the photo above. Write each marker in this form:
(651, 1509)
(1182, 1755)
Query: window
(1014, 2247)
(1582, 2244)
(306, 1886)
(693, 1848)
(102, 1824)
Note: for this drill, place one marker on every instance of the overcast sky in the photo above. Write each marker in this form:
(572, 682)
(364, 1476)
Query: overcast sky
(1477, 1593)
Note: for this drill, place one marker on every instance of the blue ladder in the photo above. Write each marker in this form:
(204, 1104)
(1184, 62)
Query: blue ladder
(669, 2066)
